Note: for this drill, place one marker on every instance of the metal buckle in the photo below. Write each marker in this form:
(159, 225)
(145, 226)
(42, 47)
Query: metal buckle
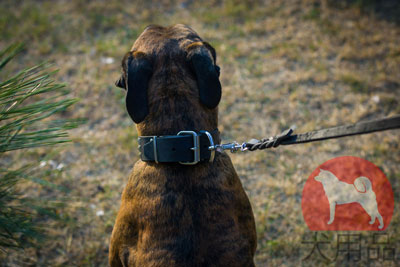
(195, 148)
(211, 147)
(155, 148)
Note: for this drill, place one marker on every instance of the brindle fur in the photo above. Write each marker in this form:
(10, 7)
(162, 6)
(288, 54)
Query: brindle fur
(172, 214)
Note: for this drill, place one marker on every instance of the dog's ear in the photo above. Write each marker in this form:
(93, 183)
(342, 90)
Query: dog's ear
(137, 73)
(201, 60)
(121, 82)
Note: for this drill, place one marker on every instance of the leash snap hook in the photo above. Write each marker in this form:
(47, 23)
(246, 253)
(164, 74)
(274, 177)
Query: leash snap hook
(233, 147)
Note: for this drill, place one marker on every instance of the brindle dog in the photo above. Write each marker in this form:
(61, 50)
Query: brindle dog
(173, 214)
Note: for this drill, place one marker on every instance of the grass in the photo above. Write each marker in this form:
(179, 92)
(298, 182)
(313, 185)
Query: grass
(355, 83)
(282, 63)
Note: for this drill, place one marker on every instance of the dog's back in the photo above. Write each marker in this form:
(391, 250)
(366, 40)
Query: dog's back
(173, 214)
(184, 216)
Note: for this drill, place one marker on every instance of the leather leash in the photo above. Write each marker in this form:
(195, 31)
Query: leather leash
(286, 137)
(189, 147)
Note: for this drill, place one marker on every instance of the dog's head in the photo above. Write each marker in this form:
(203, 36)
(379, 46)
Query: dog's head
(172, 79)
(325, 177)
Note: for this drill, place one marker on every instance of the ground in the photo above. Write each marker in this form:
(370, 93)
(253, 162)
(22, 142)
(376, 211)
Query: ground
(309, 64)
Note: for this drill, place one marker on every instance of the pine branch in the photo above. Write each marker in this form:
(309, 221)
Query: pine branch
(30, 104)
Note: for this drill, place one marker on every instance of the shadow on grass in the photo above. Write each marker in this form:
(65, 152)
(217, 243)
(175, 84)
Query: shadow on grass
(388, 10)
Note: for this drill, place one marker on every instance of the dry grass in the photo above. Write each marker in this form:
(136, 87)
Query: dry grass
(283, 63)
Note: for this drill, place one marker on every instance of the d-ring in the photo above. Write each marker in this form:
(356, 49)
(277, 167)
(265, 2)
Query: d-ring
(211, 147)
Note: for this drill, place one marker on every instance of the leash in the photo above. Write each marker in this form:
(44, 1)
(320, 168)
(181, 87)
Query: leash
(286, 137)
(190, 147)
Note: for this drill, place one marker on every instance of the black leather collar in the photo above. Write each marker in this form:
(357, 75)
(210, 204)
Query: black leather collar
(180, 148)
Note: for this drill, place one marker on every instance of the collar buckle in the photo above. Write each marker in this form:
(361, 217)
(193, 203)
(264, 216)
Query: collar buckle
(195, 148)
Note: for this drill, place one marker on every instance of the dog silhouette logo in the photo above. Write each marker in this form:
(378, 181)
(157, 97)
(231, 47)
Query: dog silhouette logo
(339, 193)
(349, 194)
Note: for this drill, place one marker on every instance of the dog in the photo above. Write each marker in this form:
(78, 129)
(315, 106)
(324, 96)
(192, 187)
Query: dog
(173, 214)
(339, 193)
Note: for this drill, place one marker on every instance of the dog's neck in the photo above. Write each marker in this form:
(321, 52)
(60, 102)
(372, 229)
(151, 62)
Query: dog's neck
(170, 123)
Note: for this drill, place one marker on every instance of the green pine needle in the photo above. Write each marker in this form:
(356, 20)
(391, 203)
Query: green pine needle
(30, 102)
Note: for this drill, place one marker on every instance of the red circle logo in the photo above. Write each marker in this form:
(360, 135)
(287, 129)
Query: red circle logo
(347, 194)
